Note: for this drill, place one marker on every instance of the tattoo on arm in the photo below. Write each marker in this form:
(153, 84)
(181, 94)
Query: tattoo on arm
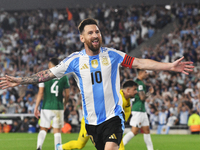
(41, 76)
(142, 95)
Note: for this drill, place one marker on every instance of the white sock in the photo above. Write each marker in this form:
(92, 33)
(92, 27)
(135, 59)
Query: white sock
(41, 137)
(147, 140)
(57, 139)
(128, 137)
(60, 147)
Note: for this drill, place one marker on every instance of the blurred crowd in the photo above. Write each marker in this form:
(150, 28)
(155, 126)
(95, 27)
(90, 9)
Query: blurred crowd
(29, 38)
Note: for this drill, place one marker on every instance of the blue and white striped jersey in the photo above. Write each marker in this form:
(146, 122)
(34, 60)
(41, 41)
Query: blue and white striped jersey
(99, 82)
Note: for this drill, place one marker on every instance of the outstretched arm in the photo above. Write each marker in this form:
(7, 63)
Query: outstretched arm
(176, 66)
(42, 76)
(38, 100)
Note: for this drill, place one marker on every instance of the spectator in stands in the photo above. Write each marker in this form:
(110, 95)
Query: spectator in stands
(188, 101)
(13, 94)
(21, 104)
(152, 18)
(183, 111)
(162, 119)
(189, 88)
(133, 39)
(172, 120)
(2, 107)
(67, 112)
(27, 98)
(15, 126)
(144, 31)
(153, 119)
(30, 90)
(11, 107)
(151, 32)
(32, 125)
(173, 109)
(30, 106)
(5, 97)
(6, 128)
(116, 39)
(74, 119)
(24, 125)
(107, 38)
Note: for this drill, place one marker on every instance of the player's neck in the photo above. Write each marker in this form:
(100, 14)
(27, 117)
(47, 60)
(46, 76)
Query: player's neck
(140, 78)
(125, 95)
(90, 52)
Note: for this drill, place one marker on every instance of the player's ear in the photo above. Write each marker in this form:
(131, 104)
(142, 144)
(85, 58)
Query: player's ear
(82, 38)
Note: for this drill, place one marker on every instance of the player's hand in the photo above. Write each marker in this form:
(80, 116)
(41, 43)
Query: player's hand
(183, 67)
(36, 113)
(8, 81)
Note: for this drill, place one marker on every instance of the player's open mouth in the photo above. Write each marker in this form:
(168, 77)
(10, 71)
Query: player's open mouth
(95, 42)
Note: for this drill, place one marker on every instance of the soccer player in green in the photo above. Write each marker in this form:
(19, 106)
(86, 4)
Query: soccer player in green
(53, 108)
(139, 117)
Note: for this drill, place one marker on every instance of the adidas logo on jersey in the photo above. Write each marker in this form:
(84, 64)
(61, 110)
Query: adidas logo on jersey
(84, 67)
(113, 136)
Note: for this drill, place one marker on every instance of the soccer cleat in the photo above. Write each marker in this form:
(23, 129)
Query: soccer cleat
(39, 148)
(58, 147)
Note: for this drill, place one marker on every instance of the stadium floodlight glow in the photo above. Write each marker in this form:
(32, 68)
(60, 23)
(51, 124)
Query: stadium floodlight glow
(168, 7)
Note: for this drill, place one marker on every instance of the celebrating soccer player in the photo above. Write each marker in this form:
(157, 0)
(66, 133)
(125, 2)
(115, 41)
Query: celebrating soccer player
(96, 70)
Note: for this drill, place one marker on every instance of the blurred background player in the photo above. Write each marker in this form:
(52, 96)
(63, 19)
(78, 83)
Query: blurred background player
(127, 92)
(139, 117)
(79, 143)
(52, 108)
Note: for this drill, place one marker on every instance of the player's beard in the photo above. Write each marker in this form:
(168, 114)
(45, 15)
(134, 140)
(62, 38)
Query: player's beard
(91, 46)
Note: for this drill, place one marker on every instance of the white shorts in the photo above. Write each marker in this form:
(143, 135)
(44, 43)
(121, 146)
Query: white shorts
(139, 119)
(56, 116)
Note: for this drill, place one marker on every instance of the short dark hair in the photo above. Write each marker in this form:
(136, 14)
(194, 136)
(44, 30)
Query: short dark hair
(85, 22)
(138, 70)
(54, 61)
(194, 111)
(129, 83)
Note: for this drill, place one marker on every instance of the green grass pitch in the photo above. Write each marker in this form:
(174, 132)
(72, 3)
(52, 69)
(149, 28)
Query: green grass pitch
(26, 141)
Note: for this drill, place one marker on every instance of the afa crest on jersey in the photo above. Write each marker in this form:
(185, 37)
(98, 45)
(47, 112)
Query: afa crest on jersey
(105, 61)
(94, 63)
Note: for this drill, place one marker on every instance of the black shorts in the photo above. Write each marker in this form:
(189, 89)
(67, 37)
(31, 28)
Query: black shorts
(108, 131)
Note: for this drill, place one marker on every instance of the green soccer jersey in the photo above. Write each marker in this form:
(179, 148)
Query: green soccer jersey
(53, 93)
(137, 104)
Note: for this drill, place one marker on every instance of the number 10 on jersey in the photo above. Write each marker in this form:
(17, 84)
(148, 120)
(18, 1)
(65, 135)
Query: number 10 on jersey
(96, 76)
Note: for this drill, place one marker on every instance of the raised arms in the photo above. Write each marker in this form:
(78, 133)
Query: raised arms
(177, 66)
